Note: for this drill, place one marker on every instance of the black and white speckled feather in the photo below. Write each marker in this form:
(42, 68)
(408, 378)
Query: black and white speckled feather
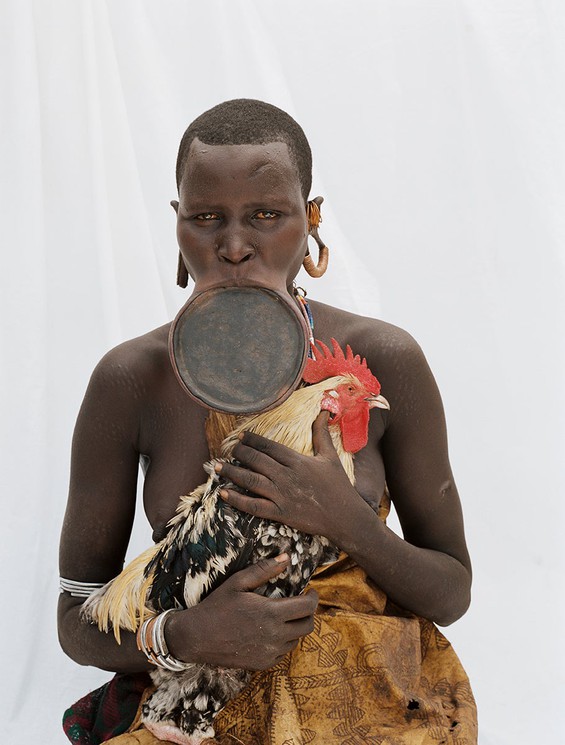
(201, 550)
(207, 541)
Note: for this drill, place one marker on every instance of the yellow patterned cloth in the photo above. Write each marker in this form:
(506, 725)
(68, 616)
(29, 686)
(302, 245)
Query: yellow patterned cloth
(369, 674)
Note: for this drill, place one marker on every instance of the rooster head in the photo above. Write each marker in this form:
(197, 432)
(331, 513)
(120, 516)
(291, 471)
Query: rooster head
(350, 400)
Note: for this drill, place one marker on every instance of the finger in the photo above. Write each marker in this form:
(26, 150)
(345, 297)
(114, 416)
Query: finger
(275, 450)
(298, 607)
(297, 629)
(256, 575)
(252, 505)
(280, 657)
(253, 482)
(290, 645)
(256, 460)
(321, 438)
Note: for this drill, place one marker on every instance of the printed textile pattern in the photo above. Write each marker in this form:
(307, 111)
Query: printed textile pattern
(369, 674)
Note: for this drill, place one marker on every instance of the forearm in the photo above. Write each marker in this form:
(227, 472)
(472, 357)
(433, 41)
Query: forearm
(86, 645)
(429, 583)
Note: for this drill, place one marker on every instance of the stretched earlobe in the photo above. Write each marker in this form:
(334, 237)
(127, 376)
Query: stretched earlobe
(182, 272)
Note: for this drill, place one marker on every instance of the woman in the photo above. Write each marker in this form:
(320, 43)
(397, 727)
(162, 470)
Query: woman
(244, 175)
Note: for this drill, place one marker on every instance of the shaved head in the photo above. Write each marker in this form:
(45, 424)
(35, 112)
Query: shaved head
(245, 121)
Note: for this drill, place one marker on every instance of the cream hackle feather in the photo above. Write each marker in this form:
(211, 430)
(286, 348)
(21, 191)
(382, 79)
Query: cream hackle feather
(122, 603)
(291, 423)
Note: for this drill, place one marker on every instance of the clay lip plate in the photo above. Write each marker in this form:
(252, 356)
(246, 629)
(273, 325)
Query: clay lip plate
(239, 350)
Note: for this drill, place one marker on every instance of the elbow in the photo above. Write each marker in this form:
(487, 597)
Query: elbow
(454, 612)
(456, 603)
(67, 645)
(68, 634)
(65, 642)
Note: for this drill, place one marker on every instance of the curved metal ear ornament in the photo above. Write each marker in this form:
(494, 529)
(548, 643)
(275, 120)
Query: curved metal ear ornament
(314, 219)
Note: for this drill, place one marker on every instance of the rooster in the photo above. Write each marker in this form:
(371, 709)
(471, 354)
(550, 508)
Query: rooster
(208, 540)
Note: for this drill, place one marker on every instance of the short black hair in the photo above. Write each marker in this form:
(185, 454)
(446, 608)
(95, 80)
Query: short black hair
(245, 121)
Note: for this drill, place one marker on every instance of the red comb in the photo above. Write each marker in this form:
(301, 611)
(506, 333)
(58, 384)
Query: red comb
(326, 365)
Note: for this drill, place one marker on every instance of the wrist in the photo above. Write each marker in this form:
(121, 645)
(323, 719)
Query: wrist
(151, 641)
(351, 531)
(181, 636)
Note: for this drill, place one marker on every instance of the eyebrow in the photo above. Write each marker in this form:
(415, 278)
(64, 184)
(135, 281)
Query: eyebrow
(263, 202)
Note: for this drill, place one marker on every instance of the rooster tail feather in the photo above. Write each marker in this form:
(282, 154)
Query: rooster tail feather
(125, 602)
(122, 603)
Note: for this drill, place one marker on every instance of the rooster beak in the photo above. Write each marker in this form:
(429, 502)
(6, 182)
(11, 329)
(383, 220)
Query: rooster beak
(377, 402)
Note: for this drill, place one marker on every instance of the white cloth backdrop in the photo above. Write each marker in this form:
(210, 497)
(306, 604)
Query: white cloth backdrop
(437, 129)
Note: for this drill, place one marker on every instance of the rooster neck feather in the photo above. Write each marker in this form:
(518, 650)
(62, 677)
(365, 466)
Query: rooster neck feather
(290, 424)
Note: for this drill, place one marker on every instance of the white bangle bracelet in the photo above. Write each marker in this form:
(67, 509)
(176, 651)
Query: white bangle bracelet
(79, 589)
(151, 641)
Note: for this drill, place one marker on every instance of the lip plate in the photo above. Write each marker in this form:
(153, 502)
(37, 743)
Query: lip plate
(239, 349)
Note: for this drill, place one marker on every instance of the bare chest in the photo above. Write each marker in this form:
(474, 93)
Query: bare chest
(174, 448)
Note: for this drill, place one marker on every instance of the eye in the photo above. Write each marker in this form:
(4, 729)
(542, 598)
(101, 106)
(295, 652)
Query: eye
(206, 216)
(265, 215)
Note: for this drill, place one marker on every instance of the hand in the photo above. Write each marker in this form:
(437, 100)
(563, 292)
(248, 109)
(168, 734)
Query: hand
(235, 627)
(310, 493)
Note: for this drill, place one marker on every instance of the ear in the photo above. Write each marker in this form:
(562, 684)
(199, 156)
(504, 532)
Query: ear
(175, 205)
(318, 200)
(182, 272)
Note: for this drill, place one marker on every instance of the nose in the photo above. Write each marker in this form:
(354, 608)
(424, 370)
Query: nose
(235, 247)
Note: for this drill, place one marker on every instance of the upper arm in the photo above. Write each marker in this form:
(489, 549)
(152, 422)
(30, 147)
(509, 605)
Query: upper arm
(104, 467)
(415, 452)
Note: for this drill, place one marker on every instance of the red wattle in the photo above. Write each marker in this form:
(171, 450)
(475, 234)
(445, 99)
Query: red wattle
(355, 429)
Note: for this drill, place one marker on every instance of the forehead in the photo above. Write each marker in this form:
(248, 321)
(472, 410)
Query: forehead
(267, 166)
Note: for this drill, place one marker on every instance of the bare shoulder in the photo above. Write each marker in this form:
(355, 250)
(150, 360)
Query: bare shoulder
(383, 344)
(105, 455)
(121, 387)
(134, 363)
(393, 355)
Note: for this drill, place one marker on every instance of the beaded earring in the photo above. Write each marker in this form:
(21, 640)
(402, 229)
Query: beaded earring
(314, 217)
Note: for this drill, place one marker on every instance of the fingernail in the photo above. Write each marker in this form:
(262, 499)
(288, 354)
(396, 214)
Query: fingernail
(224, 494)
(241, 435)
(281, 558)
(218, 467)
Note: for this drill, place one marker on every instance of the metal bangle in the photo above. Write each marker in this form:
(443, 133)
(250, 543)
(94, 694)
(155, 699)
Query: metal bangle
(151, 641)
(79, 589)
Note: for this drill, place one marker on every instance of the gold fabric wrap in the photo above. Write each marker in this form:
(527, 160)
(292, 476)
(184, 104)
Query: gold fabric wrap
(369, 674)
